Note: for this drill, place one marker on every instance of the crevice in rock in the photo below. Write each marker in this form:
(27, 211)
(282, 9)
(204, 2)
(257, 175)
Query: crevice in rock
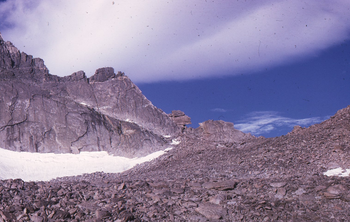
(14, 124)
(93, 93)
(81, 136)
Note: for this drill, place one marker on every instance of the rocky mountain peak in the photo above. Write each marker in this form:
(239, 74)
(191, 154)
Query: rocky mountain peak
(103, 74)
(40, 112)
(26, 66)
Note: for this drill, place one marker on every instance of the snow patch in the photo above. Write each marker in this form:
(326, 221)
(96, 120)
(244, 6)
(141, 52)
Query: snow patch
(47, 166)
(129, 121)
(338, 172)
(175, 142)
(166, 136)
(82, 103)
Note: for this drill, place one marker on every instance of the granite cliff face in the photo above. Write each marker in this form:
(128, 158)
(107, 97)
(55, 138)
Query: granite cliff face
(40, 112)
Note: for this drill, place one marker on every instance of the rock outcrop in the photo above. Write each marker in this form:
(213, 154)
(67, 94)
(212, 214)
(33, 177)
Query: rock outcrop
(218, 131)
(40, 112)
(16, 64)
(180, 118)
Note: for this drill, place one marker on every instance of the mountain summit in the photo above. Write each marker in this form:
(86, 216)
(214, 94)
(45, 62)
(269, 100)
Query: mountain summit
(25, 65)
(40, 112)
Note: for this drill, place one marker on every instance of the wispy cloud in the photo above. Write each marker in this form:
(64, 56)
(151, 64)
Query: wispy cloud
(166, 40)
(259, 123)
(220, 110)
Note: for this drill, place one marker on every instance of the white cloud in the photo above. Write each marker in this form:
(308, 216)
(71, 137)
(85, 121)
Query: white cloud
(164, 40)
(220, 110)
(259, 123)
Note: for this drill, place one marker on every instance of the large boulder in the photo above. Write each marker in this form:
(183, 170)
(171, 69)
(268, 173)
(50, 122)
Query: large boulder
(180, 118)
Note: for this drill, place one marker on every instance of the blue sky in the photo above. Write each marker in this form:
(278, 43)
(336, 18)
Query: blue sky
(263, 65)
(272, 101)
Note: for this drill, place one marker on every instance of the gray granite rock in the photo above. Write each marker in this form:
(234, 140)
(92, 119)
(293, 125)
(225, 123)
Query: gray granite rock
(40, 112)
(180, 118)
(211, 211)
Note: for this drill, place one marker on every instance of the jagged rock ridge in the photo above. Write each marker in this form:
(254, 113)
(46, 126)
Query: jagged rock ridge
(40, 112)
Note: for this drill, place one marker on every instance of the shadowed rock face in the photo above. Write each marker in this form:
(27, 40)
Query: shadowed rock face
(40, 112)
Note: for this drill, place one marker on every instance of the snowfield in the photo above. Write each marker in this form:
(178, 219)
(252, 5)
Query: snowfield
(47, 166)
